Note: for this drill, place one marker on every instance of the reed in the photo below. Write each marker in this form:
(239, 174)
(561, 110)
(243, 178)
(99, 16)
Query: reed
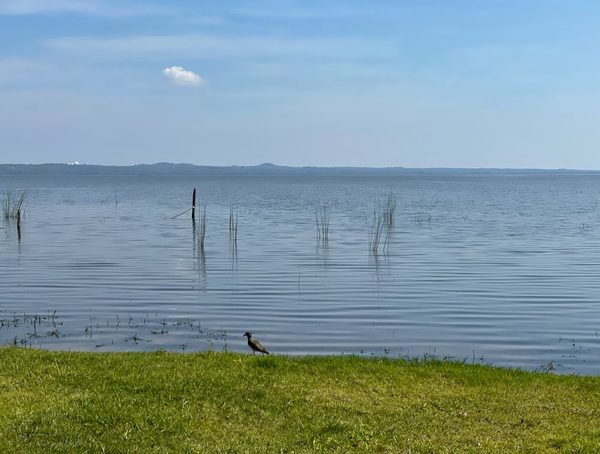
(233, 231)
(389, 210)
(202, 230)
(382, 224)
(377, 230)
(322, 217)
(13, 203)
(233, 225)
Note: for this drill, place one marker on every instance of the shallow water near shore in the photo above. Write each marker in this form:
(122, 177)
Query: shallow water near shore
(500, 268)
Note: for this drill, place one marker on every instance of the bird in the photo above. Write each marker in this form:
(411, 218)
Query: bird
(255, 345)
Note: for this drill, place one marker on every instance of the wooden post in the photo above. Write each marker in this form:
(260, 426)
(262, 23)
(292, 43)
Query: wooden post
(19, 225)
(194, 205)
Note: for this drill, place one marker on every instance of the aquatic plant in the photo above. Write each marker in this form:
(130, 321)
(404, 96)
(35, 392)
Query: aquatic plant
(233, 225)
(233, 231)
(422, 219)
(389, 210)
(202, 231)
(377, 228)
(13, 203)
(322, 217)
(382, 224)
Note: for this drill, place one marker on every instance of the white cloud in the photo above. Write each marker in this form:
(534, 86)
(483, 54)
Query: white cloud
(179, 76)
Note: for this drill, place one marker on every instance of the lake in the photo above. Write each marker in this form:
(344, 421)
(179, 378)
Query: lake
(499, 269)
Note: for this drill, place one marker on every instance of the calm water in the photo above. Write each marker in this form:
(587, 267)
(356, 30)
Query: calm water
(495, 269)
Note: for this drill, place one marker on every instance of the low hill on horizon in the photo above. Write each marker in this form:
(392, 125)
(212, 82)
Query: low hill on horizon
(166, 168)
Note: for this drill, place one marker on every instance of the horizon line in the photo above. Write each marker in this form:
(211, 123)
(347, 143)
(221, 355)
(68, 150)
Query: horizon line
(269, 164)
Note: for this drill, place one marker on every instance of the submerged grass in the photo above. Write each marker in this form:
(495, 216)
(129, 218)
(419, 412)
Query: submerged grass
(225, 402)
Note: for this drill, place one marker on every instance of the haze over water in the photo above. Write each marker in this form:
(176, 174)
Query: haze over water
(500, 268)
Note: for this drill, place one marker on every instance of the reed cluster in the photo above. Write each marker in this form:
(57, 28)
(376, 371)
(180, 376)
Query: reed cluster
(322, 217)
(382, 224)
(389, 210)
(13, 203)
(376, 232)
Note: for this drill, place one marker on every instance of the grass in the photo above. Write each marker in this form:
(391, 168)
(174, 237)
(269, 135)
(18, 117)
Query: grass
(13, 203)
(226, 402)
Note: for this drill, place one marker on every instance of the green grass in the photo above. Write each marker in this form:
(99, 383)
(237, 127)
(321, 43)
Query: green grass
(225, 402)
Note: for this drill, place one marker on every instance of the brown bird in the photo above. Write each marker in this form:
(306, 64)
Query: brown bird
(255, 345)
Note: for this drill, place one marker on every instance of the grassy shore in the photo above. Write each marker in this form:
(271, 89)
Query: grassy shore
(225, 402)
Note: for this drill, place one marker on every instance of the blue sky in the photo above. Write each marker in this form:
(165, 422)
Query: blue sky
(427, 83)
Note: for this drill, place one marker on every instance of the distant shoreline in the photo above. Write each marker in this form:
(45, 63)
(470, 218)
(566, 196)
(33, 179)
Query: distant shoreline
(257, 170)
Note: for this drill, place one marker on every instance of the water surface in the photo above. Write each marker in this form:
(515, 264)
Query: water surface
(501, 269)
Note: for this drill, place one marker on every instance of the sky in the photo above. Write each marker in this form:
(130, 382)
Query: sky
(413, 83)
